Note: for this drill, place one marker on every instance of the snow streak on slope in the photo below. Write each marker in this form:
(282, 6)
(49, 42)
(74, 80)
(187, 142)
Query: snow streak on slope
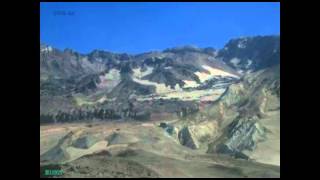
(212, 72)
(160, 88)
(139, 74)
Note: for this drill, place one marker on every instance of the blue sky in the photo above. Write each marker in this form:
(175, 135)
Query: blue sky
(142, 27)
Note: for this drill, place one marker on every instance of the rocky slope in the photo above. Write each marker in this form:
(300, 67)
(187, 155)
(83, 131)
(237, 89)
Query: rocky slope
(251, 53)
(255, 117)
(244, 123)
(193, 102)
(99, 79)
(70, 81)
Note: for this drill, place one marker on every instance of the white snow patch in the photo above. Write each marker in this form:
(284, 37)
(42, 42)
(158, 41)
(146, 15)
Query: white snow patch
(235, 61)
(212, 72)
(138, 74)
(189, 83)
(103, 99)
(160, 88)
(46, 49)
(240, 71)
(249, 62)
(190, 95)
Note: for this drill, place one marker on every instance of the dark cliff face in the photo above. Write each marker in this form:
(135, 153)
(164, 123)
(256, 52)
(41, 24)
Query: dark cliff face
(251, 53)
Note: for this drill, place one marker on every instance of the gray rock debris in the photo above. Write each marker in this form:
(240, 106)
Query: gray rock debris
(243, 134)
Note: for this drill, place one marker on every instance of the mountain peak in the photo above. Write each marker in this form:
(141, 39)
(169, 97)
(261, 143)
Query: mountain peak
(45, 48)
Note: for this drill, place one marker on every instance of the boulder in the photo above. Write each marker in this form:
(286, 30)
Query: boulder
(85, 142)
(187, 138)
(193, 136)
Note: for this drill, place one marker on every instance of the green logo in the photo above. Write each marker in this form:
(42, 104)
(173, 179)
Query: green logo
(53, 172)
